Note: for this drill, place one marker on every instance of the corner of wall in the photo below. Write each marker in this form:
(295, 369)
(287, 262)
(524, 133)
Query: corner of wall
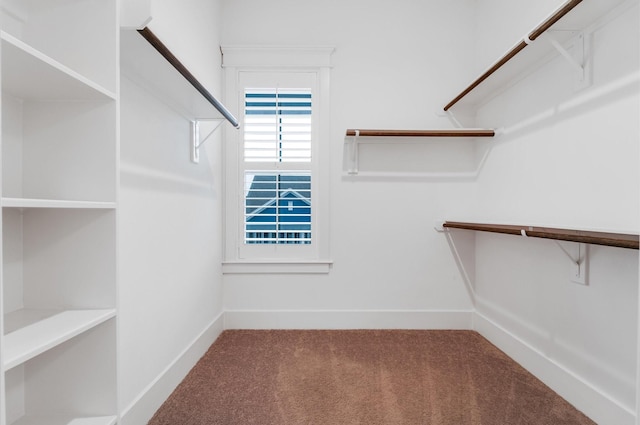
(151, 398)
(588, 399)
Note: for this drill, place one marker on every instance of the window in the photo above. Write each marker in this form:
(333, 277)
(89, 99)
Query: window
(275, 189)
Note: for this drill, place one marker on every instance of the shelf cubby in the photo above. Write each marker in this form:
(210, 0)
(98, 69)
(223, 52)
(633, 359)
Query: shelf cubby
(57, 149)
(30, 74)
(71, 381)
(58, 259)
(79, 34)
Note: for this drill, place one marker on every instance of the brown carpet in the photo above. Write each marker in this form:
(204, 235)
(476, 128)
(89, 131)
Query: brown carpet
(361, 377)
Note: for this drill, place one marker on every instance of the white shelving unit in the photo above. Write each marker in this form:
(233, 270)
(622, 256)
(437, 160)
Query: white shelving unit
(59, 172)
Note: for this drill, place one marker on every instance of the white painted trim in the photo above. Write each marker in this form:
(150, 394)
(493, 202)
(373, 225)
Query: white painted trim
(277, 267)
(152, 397)
(591, 401)
(408, 175)
(638, 365)
(135, 14)
(276, 56)
(348, 319)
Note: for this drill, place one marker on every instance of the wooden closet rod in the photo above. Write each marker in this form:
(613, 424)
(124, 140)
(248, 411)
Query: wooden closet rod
(166, 53)
(620, 240)
(422, 133)
(537, 32)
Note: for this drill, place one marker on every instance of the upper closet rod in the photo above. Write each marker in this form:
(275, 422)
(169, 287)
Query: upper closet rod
(459, 132)
(166, 53)
(620, 240)
(537, 32)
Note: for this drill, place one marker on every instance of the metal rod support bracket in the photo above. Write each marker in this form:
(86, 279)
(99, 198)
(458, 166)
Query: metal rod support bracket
(451, 117)
(578, 269)
(574, 260)
(195, 141)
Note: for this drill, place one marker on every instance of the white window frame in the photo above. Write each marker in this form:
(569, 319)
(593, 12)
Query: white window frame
(287, 67)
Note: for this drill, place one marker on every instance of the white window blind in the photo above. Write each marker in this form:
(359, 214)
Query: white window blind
(277, 130)
(277, 126)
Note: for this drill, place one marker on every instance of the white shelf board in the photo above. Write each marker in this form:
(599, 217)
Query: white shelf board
(417, 175)
(27, 342)
(31, 75)
(141, 63)
(60, 420)
(540, 51)
(24, 317)
(54, 203)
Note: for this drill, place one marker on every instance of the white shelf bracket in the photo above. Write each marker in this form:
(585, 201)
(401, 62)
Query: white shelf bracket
(579, 262)
(576, 58)
(450, 116)
(353, 154)
(195, 141)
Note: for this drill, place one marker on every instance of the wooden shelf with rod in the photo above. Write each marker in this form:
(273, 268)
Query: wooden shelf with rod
(432, 153)
(173, 60)
(148, 62)
(422, 133)
(153, 66)
(620, 240)
(565, 23)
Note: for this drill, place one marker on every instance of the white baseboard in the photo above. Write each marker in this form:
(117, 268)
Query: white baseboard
(589, 400)
(151, 398)
(348, 319)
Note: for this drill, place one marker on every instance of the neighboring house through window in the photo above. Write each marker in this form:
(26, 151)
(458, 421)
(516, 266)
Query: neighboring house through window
(278, 208)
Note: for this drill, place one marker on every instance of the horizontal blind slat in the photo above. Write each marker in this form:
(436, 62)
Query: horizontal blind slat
(274, 121)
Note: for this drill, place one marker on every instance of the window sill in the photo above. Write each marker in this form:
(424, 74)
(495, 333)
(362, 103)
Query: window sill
(277, 267)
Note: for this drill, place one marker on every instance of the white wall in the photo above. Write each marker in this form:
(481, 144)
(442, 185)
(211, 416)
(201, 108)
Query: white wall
(394, 65)
(170, 286)
(568, 159)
